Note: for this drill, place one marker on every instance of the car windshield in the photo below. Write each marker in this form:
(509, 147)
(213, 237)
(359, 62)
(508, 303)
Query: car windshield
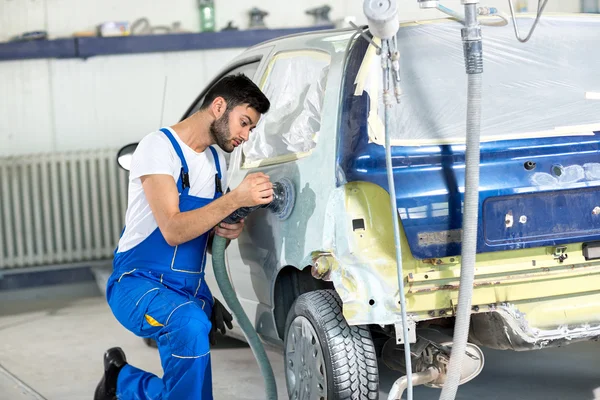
(548, 86)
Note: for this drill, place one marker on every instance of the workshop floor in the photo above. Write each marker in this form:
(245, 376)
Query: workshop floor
(53, 350)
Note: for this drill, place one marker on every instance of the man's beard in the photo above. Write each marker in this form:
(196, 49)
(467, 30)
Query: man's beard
(219, 130)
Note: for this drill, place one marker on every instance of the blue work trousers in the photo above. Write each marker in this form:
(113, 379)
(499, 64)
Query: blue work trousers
(170, 311)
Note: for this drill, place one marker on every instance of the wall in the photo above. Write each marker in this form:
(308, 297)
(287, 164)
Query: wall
(63, 17)
(56, 105)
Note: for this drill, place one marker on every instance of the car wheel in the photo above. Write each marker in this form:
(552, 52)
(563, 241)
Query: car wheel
(325, 358)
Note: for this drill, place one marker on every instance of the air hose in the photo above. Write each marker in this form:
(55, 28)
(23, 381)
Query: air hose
(284, 197)
(218, 256)
(473, 52)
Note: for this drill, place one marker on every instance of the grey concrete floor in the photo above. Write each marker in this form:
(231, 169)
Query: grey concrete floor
(53, 350)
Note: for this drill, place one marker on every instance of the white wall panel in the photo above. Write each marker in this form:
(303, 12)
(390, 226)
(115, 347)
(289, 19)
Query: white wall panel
(188, 75)
(67, 16)
(109, 101)
(558, 6)
(281, 13)
(106, 101)
(18, 16)
(63, 17)
(25, 107)
(87, 14)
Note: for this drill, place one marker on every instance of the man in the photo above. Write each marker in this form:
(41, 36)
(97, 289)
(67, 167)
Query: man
(176, 203)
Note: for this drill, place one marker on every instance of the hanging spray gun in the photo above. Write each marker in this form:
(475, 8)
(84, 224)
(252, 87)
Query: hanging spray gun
(382, 16)
(384, 24)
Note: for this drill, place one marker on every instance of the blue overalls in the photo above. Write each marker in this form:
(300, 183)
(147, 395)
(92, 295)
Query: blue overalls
(159, 291)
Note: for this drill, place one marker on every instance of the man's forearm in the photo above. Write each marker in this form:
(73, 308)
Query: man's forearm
(185, 226)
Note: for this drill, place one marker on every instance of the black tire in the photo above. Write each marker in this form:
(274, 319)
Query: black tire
(348, 351)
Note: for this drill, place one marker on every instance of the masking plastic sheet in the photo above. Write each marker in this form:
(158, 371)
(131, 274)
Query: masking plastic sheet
(548, 86)
(295, 85)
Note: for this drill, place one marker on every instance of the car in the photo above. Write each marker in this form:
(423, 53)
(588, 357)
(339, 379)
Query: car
(322, 285)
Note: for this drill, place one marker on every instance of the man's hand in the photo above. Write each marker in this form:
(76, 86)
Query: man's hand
(229, 231)
(219, 318)
(254, 190)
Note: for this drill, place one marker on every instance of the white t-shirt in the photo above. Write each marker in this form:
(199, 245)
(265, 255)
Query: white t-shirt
(155, 155)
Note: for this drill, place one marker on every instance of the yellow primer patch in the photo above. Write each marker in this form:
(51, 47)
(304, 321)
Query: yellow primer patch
(549, 292)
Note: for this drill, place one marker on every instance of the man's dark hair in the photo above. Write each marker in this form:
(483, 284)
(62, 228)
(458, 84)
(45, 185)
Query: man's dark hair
(237, 89)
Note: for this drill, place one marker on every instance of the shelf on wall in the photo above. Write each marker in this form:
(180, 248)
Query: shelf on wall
(85, 47)
(59, 48)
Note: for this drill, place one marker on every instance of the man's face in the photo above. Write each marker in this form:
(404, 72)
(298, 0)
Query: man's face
(234, 126)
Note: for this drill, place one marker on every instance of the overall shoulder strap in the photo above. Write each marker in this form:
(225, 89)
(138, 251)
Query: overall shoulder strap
(216, 157)
(183, 184)
(218, 176)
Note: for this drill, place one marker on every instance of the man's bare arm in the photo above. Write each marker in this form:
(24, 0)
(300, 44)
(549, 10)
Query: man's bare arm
(179, 227)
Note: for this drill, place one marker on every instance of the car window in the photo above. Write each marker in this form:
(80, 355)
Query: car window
(295, 84)
(248, 69)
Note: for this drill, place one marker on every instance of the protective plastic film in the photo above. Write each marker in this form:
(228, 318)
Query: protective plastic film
(548, 86)
(295, 85)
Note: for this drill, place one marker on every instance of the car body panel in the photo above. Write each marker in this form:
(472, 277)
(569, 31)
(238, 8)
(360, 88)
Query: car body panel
(267, 244)
(341, 226)
(430, 181)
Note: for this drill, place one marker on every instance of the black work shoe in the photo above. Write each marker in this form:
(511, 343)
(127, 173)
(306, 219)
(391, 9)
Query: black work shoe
(114, 360)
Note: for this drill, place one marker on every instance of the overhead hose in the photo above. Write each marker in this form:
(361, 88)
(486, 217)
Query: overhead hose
(218, 256)
(469, 239)
(474, 67)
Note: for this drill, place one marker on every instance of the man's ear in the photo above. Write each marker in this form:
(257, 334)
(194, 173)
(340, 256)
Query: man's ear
(219, 105)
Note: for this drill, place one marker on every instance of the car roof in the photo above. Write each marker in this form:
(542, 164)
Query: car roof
(304, 37)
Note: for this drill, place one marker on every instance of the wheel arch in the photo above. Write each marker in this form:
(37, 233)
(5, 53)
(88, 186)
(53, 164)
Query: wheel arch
(290, 283)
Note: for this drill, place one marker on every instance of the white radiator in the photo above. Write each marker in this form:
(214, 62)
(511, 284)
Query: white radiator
(60, 208)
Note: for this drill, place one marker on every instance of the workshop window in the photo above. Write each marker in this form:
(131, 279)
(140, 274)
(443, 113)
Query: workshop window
(295, 84)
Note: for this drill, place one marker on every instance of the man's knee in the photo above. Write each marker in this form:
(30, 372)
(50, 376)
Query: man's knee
(187, 332)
